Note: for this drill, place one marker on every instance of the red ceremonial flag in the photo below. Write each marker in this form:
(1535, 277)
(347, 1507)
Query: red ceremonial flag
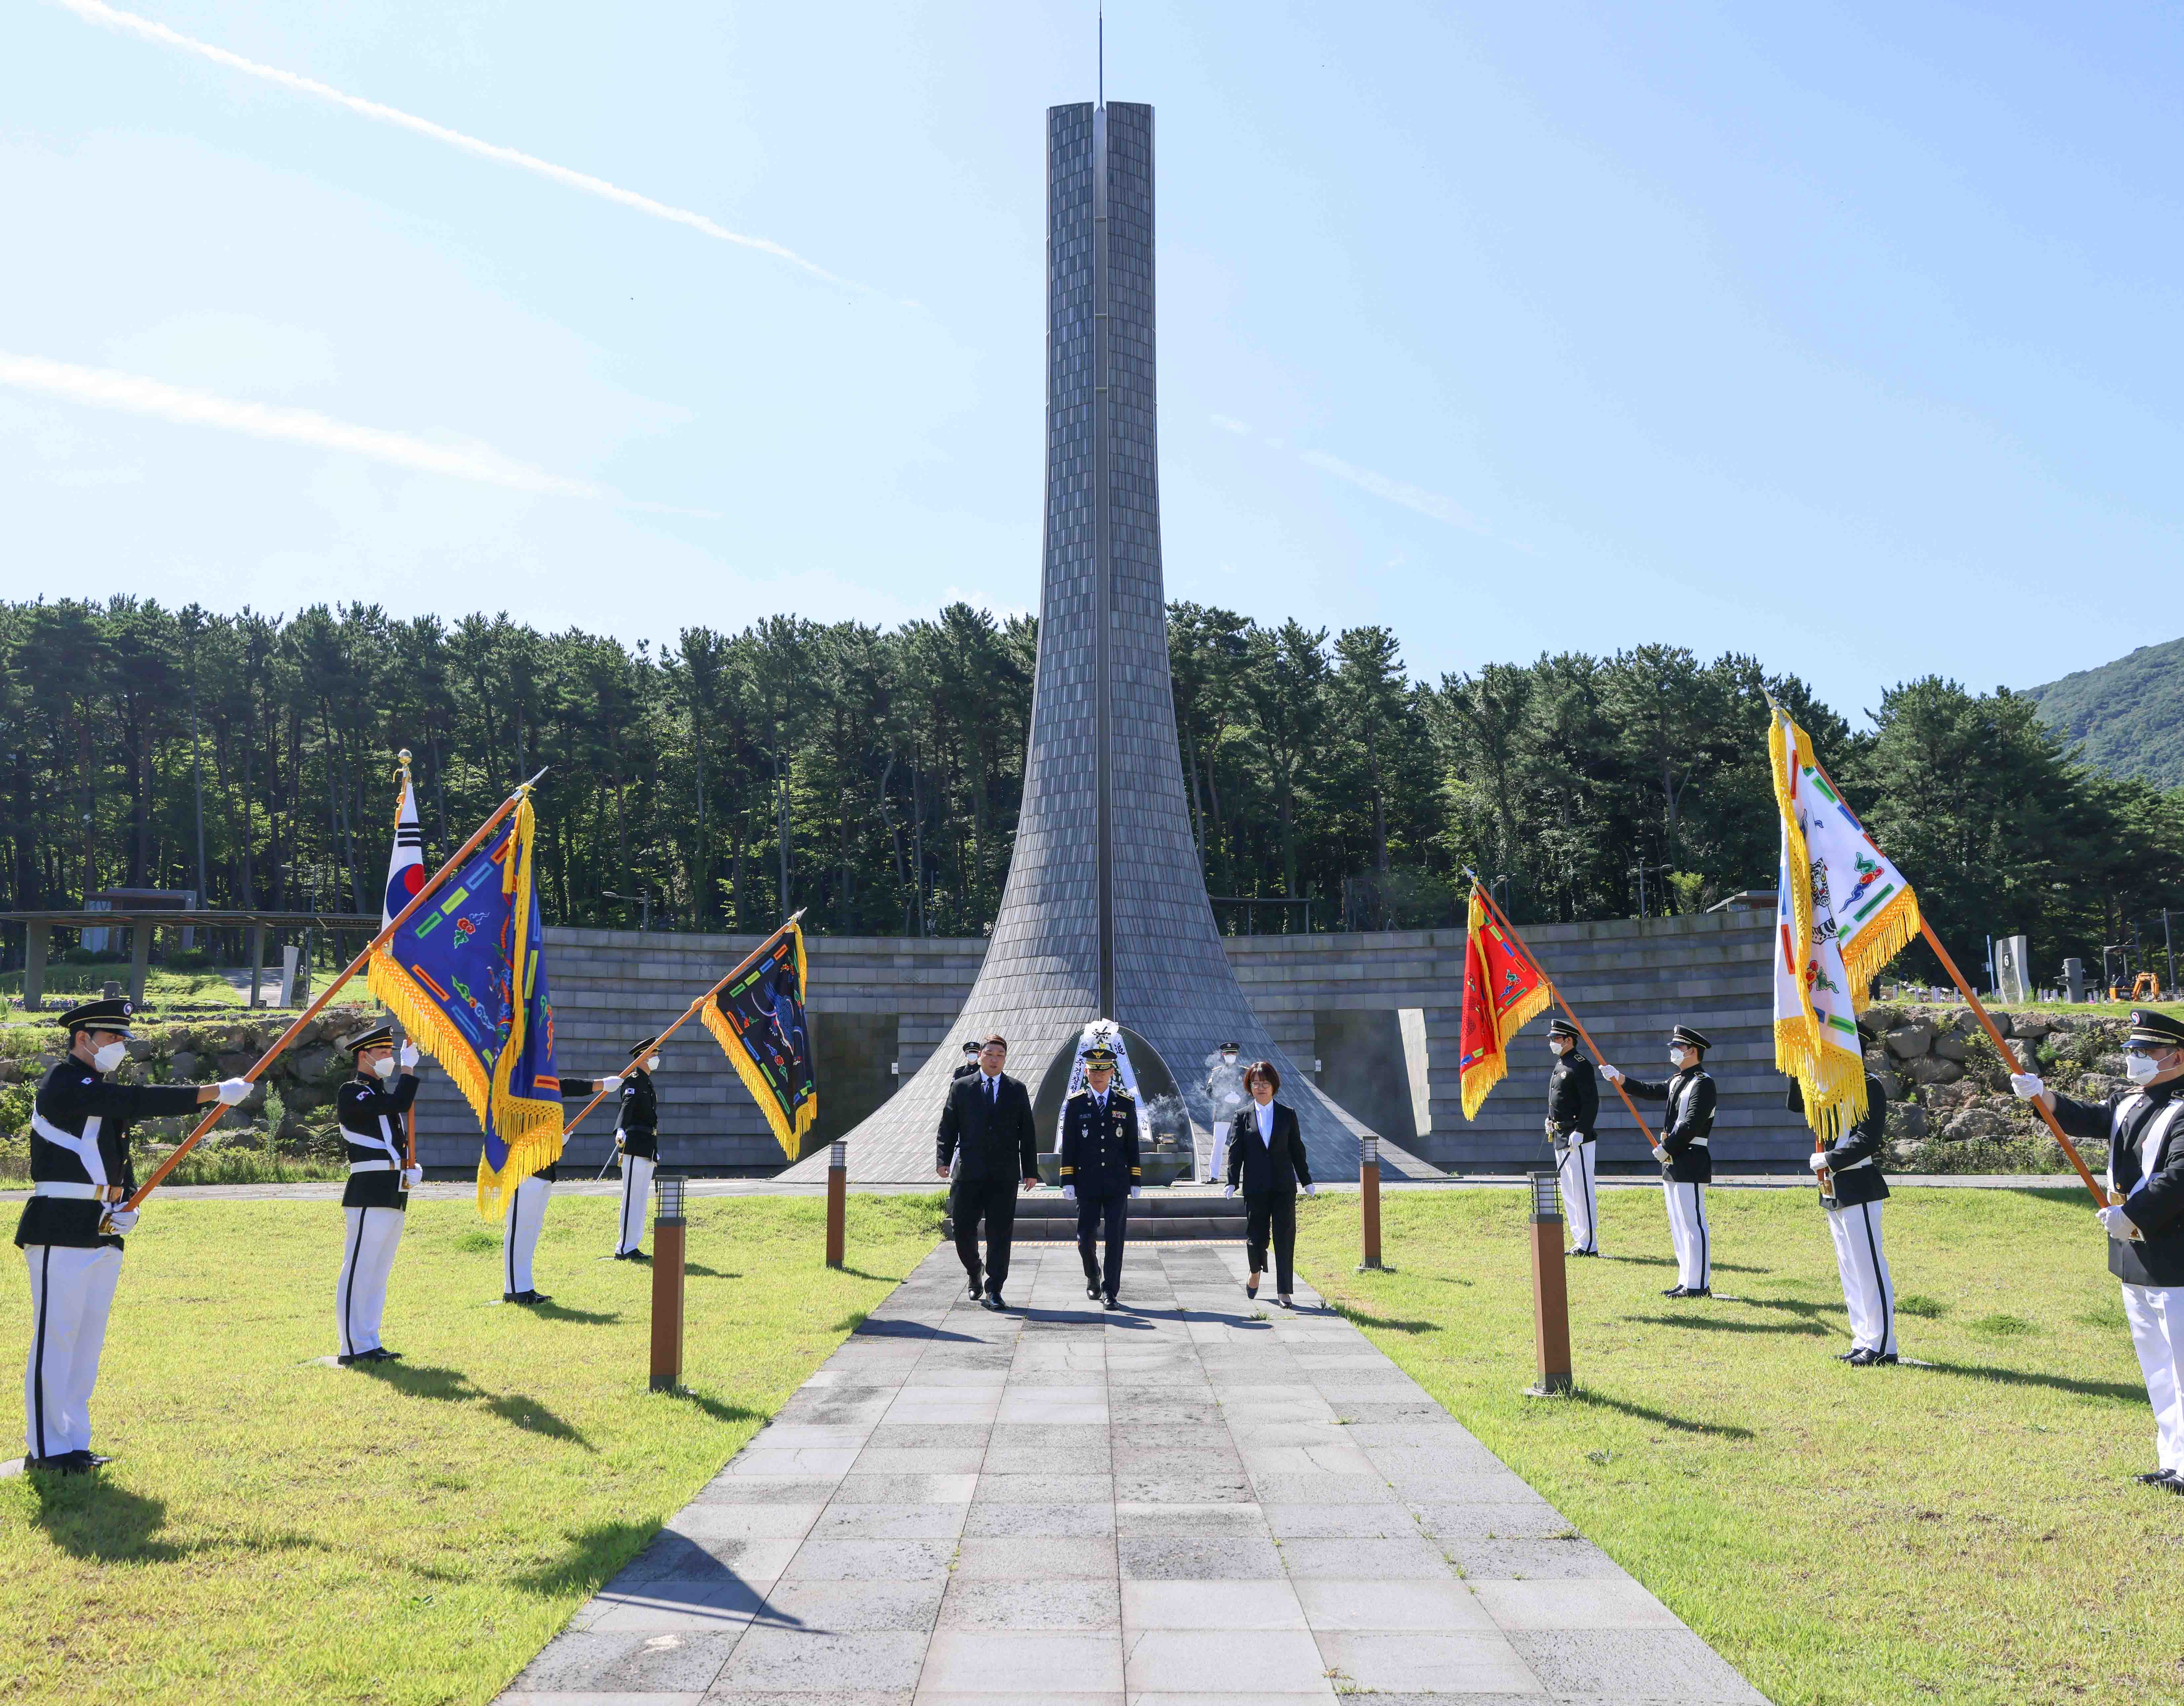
(1502, 992)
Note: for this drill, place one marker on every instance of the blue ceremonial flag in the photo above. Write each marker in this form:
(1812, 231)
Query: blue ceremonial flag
(757, 1017)
(466, 977)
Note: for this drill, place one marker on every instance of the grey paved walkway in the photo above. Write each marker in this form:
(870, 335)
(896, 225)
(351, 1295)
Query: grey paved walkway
(1197, 1498)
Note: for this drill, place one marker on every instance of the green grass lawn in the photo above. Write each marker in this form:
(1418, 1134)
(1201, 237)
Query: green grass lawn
(1963, 1532)
(278, 1530)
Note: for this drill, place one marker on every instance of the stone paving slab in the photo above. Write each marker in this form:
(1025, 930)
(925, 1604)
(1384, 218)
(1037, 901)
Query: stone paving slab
(1196, 1500)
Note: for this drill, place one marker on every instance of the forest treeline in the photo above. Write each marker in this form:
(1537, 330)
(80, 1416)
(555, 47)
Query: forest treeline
(872, 777)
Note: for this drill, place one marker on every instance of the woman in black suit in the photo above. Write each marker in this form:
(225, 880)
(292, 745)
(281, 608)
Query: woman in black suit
(1266, 1156)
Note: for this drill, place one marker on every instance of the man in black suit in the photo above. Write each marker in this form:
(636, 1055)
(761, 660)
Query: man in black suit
(986, 1129)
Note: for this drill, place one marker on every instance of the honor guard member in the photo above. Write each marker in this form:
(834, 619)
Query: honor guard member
(371, 1108)
(637, 1140)
(1852, 1191)
(1685, 1155)
(2145, 1222)
(1573, 1112)
(1099, 1169)
(969, 1063)
(70, 1231)
(1224, 1089)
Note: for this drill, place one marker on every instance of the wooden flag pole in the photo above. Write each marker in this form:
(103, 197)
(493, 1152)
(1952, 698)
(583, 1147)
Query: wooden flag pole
(688, 1012)
(355, 965)
(2010, 1058)
(1525, 948)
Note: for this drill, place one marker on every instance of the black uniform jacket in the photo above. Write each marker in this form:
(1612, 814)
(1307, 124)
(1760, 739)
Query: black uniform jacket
(1854, 1157)
(1574, 1098)
(1689, 1097)
(1099, 1153)
(1275, 1165)
(2158, 1209)
(71, 1099)
(996, 1137)
(638, 1124)
(372, 1126)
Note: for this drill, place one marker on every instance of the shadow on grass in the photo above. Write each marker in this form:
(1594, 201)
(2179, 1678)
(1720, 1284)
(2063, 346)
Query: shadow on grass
(1799, 1306)
(857, 1273)
(451, 1385)
(714, 1408)
(1715, 1324)
(706, 1273)
(1661, 1418)
(1387, 1323)
(561, 1312)
(89, 1516)
(2122, 1390)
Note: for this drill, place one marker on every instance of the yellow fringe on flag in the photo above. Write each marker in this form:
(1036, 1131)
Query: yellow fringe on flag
(1886, 934)
(531, 1127)
(790, 1136)
(1476, 1081)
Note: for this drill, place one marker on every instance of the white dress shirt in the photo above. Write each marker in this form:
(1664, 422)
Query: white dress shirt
(1266, 1113)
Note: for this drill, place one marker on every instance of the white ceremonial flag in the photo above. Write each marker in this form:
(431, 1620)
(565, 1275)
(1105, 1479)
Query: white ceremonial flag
(405, 863)
(1842, 913)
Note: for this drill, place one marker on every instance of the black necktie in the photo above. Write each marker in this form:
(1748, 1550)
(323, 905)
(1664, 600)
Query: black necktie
(992, 1092)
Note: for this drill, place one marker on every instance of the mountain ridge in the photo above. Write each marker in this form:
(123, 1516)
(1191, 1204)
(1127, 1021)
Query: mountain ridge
(2128, 714)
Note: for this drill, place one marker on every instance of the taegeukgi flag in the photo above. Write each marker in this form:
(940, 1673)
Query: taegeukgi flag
(1843, 911)
(1503, 992)
(465, 975)
(758, 1019)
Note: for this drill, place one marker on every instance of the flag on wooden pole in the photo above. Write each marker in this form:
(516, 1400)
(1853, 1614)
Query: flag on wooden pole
(466, 977)
(757, 1017)
(1842, 912)
(1503, 992)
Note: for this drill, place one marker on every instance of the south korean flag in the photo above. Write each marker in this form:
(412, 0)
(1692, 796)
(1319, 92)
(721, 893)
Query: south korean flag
(405, 865)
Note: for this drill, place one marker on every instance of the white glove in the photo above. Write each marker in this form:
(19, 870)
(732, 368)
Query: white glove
(1818, 1161)
(1137, 1190)
(1659, 1153)
(1069, 1193)
(1311, 1190)
(2027, 1084)
(122, 1219)
(2118, 1224)
(411, 1056)
(412, 1177)
(1613, 1075)
(1227, 1190)
(233, 1091)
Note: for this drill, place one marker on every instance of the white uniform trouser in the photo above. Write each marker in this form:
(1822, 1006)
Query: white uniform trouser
(526, 1215)
(1580, 1203)
(1867, 1288)
(367, 1259)
(1687, 1231)
(636, 1189)
(72, 1293)
(2156, 1314)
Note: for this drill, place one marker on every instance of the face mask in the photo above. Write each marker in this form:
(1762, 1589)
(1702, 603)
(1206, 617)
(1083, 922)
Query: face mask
(652, 1062)
(1677, 1057)
(2142, 1068)
(1558, 1047)
(384, 1066)
(106, 1059)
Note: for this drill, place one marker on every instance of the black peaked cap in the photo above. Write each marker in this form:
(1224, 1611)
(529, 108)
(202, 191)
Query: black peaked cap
(379, 1036)
(1685, 1034)
(1562, 1027)
(2147, 1025)
(100, 1015)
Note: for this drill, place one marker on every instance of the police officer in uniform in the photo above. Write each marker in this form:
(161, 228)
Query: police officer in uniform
(1685, 1155)
(1099, 1168)
(2144, 1126)
(371, 1106)
(1852, 1191)
(637, 1140)
(1573, 1112)
(70, 1231)
(1224, 1090)
(969, 1063)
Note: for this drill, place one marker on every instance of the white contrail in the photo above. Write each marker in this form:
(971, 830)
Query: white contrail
(104, 388)
(96, 13)
(1425, 502)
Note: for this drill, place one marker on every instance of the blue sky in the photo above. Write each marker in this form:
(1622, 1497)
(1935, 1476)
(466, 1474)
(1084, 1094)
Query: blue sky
(1845, 335)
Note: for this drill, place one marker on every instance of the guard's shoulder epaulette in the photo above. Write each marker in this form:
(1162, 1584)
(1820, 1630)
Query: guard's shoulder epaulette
(1126, 1095)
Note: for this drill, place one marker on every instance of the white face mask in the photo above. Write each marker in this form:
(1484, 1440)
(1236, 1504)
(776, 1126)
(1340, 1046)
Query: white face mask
(2142, 1068)
(652, 1062)
(384, 1066)
(1559, 1046)
(1677, 1057)
(111, 1056)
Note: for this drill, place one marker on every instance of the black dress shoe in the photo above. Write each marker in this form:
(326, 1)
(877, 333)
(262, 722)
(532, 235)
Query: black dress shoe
(1285, 1302)
(353, 1359)
(67, 1463)
(2152, 1477)
(93, 1459)
(1250, 1290)
(1092, 1289)
(992, 1300)
(380, 1353)
(1698, 1291)
(978, 1285)
(1844, 1356)
(1110, 1303)
(1677, 1291)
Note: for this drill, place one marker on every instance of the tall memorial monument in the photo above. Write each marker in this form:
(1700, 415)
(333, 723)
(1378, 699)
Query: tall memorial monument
(1105, 913)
